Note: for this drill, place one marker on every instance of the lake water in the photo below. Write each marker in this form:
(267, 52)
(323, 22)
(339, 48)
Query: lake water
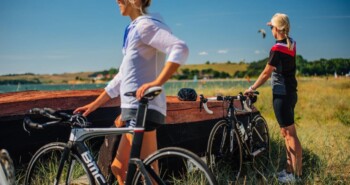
(171, 87)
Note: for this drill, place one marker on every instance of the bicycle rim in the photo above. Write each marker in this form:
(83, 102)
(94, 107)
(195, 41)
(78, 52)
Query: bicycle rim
(224, 162)
(260, 140)
(43, 167)
(176, 166)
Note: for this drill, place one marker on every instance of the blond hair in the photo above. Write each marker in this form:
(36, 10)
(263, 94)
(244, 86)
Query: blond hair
(142, 7)
(281, 22)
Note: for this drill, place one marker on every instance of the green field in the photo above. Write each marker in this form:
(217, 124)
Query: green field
(322, 119)
(52, 78)
(230, 68)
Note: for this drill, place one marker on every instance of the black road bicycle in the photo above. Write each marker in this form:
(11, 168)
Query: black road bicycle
(73, 163)
(231, 141)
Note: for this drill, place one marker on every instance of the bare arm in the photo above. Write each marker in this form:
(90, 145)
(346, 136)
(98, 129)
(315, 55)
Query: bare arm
(87, 109)
(263, 77)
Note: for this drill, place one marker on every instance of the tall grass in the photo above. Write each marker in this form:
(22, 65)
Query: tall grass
(322, 117)
(323, 124)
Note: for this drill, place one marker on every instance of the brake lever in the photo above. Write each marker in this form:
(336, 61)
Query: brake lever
(24, 125)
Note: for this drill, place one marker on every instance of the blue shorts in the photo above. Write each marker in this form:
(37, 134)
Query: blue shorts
(283, 106)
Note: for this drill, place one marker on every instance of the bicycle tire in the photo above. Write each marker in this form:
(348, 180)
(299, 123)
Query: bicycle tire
(43, 166)
(260, 139)
(177, 166)
(220, 157)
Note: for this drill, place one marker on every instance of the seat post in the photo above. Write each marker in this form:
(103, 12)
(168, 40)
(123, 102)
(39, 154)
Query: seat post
(138, 137)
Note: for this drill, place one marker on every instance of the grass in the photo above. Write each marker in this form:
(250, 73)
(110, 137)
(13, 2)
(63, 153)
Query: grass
(53, 78)
(322, 120)
(230, 68)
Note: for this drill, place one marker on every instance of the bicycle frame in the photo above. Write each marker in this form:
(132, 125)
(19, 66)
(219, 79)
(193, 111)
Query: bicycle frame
(76, 142)
(78, 137)
(234, 124)
(232, 119)
(76, 150)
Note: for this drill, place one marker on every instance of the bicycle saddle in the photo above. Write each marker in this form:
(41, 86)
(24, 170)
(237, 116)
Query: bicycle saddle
(149, 93)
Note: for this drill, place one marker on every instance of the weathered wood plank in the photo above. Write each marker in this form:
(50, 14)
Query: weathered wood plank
(18, 103)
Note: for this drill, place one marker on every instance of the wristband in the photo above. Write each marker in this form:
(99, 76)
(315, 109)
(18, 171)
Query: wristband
(251, 88)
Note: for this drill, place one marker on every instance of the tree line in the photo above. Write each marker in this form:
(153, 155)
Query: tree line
(321, 67)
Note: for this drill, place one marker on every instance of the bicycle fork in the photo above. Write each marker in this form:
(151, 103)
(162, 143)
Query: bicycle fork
(62, 161)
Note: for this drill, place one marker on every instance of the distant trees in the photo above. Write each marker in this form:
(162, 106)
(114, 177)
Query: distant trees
(20, 81)
(28, 74)
(322, 67)
(204, 73)
(105, 74)
(255, 68)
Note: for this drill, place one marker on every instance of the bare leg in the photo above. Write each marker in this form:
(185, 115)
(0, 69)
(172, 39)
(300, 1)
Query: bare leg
(289, 167)
(294, 150)
(120, 163)
(149, 146)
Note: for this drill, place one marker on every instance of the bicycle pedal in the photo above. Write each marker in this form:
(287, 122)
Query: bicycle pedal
(257, 152)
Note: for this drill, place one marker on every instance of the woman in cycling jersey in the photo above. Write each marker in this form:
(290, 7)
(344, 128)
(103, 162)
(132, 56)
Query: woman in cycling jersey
(281, 67)
(147, 42)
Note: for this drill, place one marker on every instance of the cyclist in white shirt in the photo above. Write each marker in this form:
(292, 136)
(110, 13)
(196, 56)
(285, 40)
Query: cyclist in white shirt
(148, 44)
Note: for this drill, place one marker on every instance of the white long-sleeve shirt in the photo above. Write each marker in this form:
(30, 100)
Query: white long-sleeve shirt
(147, 42)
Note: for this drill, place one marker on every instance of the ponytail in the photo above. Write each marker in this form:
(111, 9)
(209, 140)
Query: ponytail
(144, 4)
(281, 22)
(289, 44)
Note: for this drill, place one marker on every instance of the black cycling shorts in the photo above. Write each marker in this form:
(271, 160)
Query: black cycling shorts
(283, 106)
(149, 125)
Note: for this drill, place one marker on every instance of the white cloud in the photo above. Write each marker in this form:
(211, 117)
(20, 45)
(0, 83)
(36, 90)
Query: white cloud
(223, 51)
(203, 53)
(259, 52)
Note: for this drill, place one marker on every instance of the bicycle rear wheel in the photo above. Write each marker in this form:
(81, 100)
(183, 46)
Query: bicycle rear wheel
(176, 166)
(43, 167)
(221, 157)
(260, 144)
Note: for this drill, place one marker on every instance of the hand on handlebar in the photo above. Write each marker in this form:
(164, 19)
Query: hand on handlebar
(85, 110)
(248, 91)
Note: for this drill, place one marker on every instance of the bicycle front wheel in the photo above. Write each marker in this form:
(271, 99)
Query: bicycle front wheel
(174, 166)
(224, 152)
(43, 167)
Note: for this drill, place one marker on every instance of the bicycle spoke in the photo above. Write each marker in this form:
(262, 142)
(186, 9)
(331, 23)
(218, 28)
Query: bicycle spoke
(177, 166)
(44, 166)
(224, 153)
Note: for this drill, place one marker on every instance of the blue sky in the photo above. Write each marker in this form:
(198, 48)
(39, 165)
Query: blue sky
(56, 36)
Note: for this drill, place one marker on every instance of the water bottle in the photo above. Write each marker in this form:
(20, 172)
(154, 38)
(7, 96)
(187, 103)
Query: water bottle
(242, 131)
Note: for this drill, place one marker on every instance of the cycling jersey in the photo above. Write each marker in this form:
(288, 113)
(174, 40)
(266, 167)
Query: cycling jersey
(283, 77)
